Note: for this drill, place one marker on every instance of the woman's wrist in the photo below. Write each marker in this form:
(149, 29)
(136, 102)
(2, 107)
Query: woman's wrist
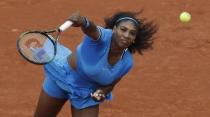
(106, 89)
(86, 23)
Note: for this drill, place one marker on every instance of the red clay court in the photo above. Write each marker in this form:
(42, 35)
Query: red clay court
(172, 80)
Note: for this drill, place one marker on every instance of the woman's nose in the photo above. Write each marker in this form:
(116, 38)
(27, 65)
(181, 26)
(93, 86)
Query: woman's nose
(126, 34)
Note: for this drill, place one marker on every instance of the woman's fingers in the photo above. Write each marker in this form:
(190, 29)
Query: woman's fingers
(101, 95)
(97, 95)
(77, 19)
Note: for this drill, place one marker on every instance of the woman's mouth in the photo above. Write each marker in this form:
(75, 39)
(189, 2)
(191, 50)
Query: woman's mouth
(124, 42)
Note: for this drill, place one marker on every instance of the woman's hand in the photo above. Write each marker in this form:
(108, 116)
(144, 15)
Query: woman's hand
(98, 95)
(77, 19)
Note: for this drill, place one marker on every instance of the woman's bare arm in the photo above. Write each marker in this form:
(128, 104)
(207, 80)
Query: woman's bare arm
(109, 88)
(88, 27)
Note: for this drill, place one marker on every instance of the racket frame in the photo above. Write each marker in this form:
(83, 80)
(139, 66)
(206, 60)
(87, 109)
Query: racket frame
(44, 33)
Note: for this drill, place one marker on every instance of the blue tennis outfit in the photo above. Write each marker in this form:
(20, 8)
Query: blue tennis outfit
(92, 71)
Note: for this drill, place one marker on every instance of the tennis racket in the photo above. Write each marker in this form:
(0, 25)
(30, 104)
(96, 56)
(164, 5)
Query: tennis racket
(39, 47)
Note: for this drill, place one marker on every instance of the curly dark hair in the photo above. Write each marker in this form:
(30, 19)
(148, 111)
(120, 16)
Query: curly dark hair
(145, 30)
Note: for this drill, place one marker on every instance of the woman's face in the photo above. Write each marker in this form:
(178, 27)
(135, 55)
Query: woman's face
(124, 33)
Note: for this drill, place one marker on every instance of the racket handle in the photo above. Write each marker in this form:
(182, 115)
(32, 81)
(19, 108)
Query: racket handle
(65, 25)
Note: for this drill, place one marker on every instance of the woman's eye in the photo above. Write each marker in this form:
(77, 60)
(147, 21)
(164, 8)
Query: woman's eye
(133, 33)
(122, 29)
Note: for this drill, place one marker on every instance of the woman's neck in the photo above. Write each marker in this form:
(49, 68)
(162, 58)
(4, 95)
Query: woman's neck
(115, 52)
(115, 49)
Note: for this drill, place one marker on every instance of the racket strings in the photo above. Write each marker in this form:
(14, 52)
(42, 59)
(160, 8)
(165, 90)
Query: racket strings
(36, 47)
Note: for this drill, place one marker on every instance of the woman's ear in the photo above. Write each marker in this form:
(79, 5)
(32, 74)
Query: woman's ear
(114, 28)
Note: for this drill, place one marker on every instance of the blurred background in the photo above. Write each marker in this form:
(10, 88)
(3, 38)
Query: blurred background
(172, 80)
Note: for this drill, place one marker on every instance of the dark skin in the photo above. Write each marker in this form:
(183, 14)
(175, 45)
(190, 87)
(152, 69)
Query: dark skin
(123, 35)
(49, 107)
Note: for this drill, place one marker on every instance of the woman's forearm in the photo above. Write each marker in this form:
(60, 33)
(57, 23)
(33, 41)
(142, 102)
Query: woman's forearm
(90, 29)
(107, 89)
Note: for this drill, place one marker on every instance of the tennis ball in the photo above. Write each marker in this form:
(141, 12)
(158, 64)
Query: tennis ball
(185, 17)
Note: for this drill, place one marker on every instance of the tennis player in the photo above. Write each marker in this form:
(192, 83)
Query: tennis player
(87, 77)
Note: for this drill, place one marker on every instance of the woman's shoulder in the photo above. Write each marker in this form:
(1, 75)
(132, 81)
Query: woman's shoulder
(107, 30)
(105, 33)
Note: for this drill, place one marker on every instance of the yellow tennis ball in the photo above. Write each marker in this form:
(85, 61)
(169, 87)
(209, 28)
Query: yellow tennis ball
(185, 17)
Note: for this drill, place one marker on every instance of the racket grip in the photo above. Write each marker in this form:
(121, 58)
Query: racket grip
(65, 25)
